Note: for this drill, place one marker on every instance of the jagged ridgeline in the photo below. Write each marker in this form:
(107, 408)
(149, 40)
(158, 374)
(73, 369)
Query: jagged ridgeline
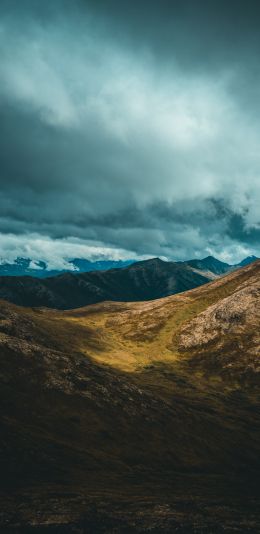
(145, 280)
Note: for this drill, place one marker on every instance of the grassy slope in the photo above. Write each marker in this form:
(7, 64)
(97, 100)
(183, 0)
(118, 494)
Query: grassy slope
(103, 400)
(130, 336)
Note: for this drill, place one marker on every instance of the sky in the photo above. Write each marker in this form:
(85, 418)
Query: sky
(129, 129)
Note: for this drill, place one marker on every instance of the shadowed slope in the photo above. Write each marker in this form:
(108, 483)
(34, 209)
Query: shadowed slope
(134, 403)
(144, 280)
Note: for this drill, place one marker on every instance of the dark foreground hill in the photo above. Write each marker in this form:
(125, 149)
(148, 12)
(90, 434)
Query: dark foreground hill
(133, 417)
(144, 280)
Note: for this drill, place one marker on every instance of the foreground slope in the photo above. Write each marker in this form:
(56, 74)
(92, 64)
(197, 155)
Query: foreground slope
(134, 416)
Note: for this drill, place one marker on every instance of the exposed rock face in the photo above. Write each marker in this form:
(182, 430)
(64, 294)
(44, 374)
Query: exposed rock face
(235, 314)
(228, 329)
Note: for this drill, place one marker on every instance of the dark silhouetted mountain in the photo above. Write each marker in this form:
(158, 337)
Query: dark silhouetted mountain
(145, 280)
(40, 269)
(211, 265)
(247, 261)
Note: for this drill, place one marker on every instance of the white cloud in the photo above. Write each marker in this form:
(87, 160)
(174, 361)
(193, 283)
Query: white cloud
(57, 252)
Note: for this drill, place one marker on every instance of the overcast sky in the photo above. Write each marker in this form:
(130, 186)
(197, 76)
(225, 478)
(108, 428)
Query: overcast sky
(129, 129)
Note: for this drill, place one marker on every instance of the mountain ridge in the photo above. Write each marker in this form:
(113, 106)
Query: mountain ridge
(140, 281)
(39, 269)
(145, 280)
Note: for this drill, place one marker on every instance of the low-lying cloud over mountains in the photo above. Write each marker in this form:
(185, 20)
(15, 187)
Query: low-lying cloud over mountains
(121, 129)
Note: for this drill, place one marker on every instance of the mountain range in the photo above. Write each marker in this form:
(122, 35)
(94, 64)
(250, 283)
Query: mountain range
(144, 280)
(134, 417)
(40, 269)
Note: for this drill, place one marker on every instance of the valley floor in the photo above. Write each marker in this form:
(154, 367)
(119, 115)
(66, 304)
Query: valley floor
(192, 504)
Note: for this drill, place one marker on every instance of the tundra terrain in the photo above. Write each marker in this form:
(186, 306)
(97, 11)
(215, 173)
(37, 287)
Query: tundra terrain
(133, 417)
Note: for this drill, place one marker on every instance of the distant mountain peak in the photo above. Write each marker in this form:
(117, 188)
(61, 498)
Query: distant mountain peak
(151, 262)
(155, 261)
(211, 264)
(247, 261)
(213, 259)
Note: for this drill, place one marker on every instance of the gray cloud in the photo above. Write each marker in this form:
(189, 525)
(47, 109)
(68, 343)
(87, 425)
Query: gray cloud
(131, 126)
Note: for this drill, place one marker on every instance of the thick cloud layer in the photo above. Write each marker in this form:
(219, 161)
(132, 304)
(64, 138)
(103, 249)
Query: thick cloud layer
(130, 128)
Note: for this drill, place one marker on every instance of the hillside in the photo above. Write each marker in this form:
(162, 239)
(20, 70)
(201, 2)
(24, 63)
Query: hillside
(145, 280)
(134, 417)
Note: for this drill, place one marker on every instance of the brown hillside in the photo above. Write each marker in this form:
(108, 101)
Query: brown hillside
(121, 411)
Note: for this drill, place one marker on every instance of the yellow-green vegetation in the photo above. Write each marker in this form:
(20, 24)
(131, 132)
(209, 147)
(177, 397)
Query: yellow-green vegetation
(129, 403)
(131, 336)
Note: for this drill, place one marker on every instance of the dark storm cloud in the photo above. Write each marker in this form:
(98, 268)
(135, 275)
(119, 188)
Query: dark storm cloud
(197, 35)
(216, 29)
(130, 126)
